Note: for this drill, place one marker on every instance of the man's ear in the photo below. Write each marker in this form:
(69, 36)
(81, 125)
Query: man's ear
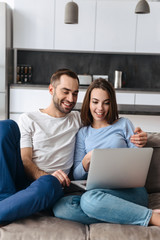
(51, 89)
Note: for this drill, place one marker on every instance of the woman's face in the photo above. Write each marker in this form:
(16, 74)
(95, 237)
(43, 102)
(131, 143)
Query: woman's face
(99, 104)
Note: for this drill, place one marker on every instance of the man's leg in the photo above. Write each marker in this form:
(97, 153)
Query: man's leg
(12, 175)
(41, 194)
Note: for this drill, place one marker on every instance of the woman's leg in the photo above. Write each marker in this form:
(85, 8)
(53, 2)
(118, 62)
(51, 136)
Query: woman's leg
(69, 208)
(12, 175)
(125, 206)
(41, 194)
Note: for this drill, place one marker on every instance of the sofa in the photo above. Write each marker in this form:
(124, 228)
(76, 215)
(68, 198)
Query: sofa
(44, 226)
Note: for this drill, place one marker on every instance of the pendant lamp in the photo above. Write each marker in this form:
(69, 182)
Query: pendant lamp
(142, 7)
(71, 13)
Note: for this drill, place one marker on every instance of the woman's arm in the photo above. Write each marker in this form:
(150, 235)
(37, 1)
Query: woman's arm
(79, 171)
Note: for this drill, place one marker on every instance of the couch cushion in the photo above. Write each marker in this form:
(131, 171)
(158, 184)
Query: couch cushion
(153, 178)
(43, 228)
(126, 232)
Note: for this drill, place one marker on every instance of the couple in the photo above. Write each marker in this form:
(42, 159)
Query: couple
(47, 150)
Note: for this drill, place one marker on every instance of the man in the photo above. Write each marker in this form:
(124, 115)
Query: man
(47, 149)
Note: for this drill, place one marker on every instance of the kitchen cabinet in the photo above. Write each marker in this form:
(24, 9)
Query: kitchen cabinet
(125, 98)
(27, 100)
(147, 99)
(33, 24)
(115, 26)
(148, 30)
(78, 37)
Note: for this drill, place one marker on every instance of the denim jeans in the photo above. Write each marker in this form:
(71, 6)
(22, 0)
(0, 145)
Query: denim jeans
(18, 197)
(123, 206)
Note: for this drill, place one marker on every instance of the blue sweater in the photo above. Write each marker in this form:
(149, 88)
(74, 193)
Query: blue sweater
(116, 135)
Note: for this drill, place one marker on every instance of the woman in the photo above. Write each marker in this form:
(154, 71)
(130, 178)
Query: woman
(104, 129)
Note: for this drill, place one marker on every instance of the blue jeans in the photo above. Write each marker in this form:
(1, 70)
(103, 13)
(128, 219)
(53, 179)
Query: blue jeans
(18, 197)
(123, 206)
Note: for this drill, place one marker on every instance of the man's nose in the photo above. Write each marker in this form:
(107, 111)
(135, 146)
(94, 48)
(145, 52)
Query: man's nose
(70, 97)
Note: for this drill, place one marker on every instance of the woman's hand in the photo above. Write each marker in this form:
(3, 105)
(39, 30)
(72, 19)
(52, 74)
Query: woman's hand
(86, 161)
(139, 138)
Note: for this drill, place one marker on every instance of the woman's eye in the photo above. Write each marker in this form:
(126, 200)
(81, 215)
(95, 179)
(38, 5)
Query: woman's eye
(94, 102)
(106, 103)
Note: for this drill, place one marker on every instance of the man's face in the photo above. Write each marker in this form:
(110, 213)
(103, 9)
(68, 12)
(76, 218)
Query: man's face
(65, 94)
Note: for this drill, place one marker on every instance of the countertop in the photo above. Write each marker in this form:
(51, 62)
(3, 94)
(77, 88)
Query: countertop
(122, 108)
(45, 86)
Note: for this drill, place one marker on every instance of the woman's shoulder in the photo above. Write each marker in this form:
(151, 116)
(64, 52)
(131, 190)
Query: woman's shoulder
(123, 120)
(83, 131)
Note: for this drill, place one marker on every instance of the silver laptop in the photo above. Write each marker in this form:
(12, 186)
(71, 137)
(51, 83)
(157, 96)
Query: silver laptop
(117, 168)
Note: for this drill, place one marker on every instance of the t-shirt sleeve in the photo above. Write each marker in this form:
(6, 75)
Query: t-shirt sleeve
(78, 171)
(129, 131)
(25, 130)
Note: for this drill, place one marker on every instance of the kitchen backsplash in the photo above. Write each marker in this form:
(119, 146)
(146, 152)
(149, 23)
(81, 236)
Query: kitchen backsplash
(139, 71)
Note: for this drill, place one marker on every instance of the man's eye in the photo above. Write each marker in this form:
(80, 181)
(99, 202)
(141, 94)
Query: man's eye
(75, 94)
(65, 92)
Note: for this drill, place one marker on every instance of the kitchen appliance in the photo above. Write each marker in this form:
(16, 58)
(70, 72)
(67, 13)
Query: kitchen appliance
(118, 79)
(6, 58)
(100, 76)
(85, 79)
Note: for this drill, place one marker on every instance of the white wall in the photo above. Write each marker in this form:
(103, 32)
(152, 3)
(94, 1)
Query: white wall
(9, 2)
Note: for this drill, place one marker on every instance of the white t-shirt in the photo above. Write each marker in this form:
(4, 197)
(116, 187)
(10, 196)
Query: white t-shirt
(52, 139)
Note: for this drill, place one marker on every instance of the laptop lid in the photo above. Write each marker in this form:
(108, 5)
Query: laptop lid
(117, 168)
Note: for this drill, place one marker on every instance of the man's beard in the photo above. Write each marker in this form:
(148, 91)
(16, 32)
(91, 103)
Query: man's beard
(60, 108)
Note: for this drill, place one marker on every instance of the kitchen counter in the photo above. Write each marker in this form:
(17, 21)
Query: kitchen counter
(139, 101)
(45, 86)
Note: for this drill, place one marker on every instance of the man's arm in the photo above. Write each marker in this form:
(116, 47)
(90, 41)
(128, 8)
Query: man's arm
(139, 138)
(32, 171)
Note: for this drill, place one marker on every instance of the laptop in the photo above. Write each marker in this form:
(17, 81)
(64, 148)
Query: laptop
(117, 168)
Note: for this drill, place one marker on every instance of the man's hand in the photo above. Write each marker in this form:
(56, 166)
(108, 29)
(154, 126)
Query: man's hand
(62, 177)
(139, 138)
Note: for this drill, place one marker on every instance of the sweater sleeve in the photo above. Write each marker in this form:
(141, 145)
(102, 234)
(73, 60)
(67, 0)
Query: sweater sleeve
(78, 171)
(129, 131)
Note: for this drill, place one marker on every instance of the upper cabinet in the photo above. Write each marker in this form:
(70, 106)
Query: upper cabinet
(33, 24)
(115, 26)
(104, 26)
(79, 36)
(148, 30)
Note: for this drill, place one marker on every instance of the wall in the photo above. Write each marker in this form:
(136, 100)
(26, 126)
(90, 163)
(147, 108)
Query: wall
(139, 71)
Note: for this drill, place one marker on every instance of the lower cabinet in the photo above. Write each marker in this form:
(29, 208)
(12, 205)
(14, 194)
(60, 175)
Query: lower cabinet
(27, 100)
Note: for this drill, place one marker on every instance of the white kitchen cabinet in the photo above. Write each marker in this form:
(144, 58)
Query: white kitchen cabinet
(147, 99)
(27, 100)
(125, 98)
(148, 30)
(78, 37)
(115, 26)
(33, 24)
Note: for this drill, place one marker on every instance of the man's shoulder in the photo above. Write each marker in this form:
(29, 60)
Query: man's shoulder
(29, 115)
(75, 115)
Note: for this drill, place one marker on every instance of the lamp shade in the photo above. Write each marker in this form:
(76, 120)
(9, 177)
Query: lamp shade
(142, 7)
(71, 13)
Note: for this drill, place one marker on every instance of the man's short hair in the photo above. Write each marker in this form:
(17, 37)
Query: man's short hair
(56, 76)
